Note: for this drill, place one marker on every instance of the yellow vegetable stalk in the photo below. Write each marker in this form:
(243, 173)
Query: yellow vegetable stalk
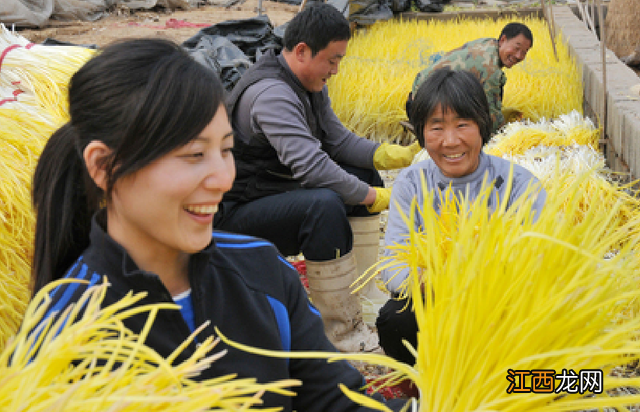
(602, 190)
(93, 363)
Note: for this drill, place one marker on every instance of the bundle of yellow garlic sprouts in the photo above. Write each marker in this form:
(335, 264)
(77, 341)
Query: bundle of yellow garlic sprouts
(34, 78)
(572, 162)
(33, 95)
(568, 146)
(376, 75)
(87, 360)
(564, 130)
(499, 292)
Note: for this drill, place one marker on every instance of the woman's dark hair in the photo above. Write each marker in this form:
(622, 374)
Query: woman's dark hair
(317, 25)
(142, 98)
(512, 30)
(456, 90)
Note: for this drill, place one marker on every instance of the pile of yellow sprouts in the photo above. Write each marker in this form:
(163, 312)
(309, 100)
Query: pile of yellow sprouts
(87, 360)
(376, 75)
(33, 92)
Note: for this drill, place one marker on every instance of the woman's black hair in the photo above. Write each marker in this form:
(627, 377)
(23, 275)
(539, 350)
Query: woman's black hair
(317, 25)
(456, 90)
(142, 98)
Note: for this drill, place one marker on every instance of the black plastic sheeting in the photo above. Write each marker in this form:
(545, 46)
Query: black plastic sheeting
(231, 47)
(53, 42)
(431, 6)
(367, 12)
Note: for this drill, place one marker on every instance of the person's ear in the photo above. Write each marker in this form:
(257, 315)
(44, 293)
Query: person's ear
(502, 39)
(301, 51)
(95, 158)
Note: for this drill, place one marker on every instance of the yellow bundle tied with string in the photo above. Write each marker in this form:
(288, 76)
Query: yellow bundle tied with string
(92, 362)
(20, 149)
(33, 96)
(376, 75)
(33, 78)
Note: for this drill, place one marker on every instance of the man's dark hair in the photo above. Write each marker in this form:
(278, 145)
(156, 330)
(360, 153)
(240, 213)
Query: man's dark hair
(317, 25)
(456, 90)
(512, 30)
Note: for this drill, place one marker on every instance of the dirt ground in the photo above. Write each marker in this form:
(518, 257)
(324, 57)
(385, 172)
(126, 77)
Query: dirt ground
(177, 25)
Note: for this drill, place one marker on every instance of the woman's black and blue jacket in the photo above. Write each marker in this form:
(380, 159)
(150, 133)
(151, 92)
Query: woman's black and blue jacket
(246, 289)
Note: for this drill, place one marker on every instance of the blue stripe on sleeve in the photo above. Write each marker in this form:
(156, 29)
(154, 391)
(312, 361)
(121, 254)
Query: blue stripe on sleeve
(314, 310)
(95, 278)
(282, 318)
(249, 245)
(67, 275)
(232, 236)
(283, 260)
(68, 293)
(66, 297)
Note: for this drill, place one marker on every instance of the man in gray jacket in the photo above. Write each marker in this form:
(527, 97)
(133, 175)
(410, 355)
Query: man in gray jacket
(303, 179)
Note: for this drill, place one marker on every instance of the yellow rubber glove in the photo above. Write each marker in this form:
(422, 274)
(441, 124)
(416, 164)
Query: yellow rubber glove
(383, 196)
(511, 114)
(393, 156)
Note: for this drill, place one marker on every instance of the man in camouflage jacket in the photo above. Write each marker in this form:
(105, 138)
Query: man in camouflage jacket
(485, 58)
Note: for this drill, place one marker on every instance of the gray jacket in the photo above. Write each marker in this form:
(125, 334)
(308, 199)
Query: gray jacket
(270, 114)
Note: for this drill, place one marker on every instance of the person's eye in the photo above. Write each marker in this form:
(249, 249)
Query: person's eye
(194, 155)
(227, 151)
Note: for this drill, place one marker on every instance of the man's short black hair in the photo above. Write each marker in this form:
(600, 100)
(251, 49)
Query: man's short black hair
(512, 30)
(456, 90)
(317, 25)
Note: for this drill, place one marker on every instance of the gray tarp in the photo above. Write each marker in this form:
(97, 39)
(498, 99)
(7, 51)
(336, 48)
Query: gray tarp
(36, 13)
(25, 13)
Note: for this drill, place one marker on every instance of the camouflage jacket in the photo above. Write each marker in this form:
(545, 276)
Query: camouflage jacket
(481, 58)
